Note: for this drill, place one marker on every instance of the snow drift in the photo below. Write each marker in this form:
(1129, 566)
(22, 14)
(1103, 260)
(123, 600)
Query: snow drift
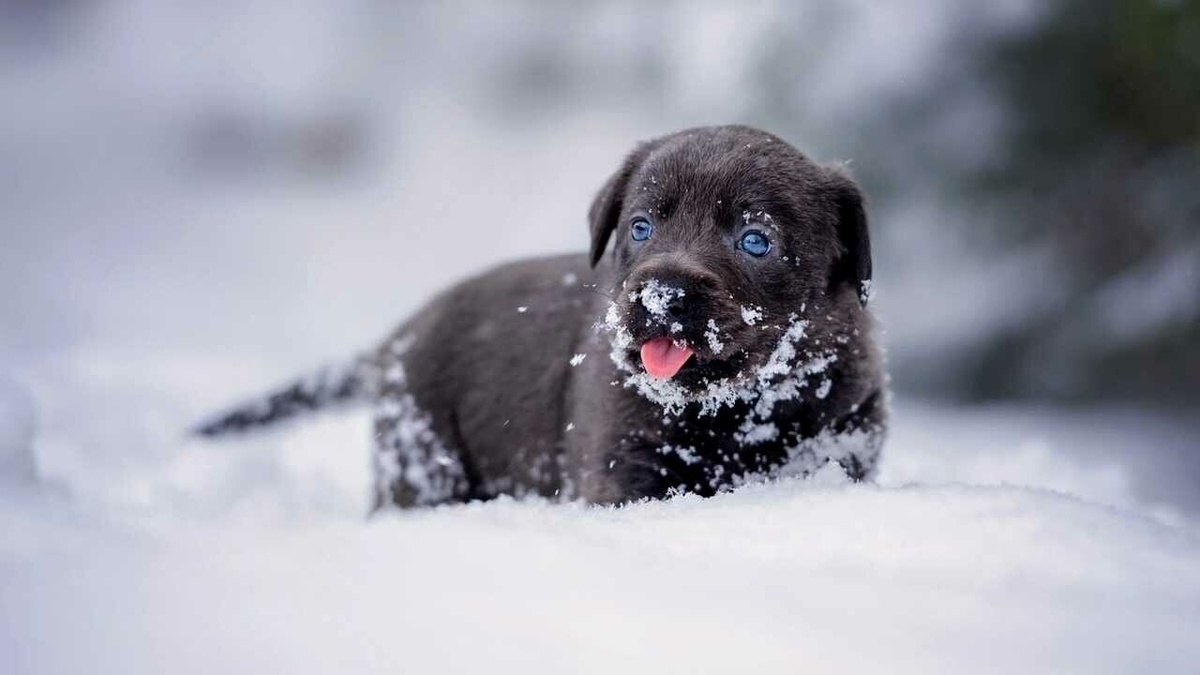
(787, 577)
(126, 551)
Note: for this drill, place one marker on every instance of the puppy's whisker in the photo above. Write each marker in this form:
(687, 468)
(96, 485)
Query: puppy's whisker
(604, 294)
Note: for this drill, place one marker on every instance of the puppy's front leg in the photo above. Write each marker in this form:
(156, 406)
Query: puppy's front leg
(631, 473)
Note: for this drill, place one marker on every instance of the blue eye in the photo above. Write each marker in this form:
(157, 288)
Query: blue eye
(641, 229)
(755, 243)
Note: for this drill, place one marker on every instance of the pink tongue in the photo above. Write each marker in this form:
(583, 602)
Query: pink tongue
(662, 357)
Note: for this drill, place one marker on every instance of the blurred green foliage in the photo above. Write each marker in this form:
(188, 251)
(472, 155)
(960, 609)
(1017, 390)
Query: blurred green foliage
(1101, 163)
(1071, 138)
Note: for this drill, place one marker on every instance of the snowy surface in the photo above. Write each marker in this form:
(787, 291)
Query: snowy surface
(998, 540)
(779, 579)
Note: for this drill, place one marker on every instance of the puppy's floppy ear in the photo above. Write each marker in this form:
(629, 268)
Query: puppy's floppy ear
(854, 267)
(606, 207)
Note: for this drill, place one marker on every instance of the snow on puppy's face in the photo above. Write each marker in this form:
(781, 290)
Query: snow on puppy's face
(723, 237)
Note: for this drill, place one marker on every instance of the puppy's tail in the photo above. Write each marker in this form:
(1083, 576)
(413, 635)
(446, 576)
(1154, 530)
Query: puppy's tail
(327, 387)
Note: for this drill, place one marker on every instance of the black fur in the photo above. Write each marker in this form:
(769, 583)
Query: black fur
(527, 379)
(324, 388)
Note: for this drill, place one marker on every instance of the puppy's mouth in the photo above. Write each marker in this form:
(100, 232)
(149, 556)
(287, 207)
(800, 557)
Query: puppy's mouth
(680, 359)
(663, 357)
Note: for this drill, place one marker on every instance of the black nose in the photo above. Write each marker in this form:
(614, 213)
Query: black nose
(673, 288)
(670, 299)
(676, 308)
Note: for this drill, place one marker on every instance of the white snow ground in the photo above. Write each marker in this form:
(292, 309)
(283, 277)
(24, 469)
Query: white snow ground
(998, 540)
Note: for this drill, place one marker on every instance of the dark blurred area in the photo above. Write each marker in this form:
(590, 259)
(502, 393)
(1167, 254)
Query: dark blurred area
(1034, 167)
(1098, 168)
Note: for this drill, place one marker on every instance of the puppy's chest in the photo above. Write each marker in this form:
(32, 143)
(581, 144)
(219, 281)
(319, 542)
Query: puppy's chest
(704, 453)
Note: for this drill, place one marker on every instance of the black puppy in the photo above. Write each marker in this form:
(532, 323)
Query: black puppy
(725, 338)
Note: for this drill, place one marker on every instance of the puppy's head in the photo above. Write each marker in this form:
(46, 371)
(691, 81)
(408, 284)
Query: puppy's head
(729, 246)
